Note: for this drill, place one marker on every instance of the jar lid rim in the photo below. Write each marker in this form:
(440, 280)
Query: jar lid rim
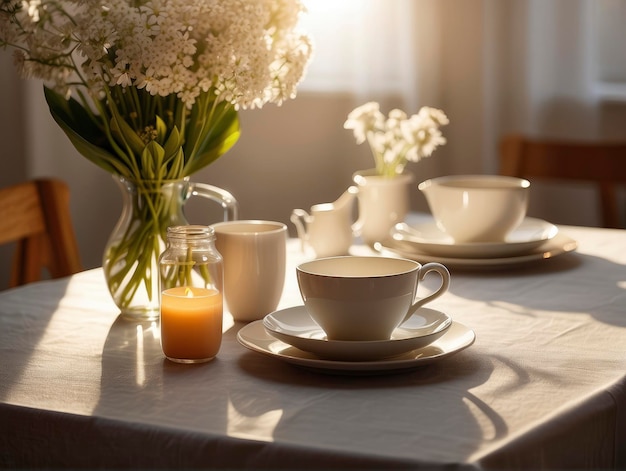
(190, 230)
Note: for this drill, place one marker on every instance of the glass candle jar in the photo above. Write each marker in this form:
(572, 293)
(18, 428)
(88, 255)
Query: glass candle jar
(191, 280)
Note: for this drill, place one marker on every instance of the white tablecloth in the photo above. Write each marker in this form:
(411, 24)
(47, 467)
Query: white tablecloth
(544, 385)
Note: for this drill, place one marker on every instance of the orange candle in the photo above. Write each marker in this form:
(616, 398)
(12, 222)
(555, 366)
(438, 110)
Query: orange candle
(191, 323)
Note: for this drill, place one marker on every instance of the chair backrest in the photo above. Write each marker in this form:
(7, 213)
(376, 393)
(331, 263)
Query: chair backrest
(36, 215)
(603, 163)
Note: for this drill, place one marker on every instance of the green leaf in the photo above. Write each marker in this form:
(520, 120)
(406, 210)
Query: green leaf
(177, 166)
(124, 132)
(216, 138)
(173, 144)
(87, 137)
(161, 129)
(152, 161)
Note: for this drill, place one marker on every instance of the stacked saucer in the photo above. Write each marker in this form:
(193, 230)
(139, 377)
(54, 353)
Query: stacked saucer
(533, 240)
(292, 335)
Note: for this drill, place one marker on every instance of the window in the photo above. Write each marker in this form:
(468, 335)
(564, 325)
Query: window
(361, 46)
(609, 53)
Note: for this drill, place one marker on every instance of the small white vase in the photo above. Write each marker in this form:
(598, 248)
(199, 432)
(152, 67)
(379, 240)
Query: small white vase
(382, 202)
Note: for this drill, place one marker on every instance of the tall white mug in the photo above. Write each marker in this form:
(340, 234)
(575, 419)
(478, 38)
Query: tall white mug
(254, 254)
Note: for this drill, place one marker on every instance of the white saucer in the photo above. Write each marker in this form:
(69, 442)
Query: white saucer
(429, 238)
(295, 326)
(559, 245)
(458, 337)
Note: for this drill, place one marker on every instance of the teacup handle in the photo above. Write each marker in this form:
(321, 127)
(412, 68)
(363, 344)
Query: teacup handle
(220, 196)
(445, 284)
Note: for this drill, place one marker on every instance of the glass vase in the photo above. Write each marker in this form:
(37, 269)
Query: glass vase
(130, 260)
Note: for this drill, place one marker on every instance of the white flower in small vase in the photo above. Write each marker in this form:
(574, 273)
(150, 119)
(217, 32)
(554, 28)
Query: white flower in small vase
(397, 138)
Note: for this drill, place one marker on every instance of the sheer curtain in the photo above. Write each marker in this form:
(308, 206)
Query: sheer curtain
(370, 48)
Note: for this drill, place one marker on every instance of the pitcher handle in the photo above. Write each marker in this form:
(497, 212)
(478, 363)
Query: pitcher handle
(224, 198)
(297, 216)
(357, 226)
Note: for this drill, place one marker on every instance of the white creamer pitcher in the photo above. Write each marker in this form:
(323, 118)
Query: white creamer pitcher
(328, 227)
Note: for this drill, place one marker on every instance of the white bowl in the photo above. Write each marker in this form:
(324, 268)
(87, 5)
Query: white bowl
(477, 208)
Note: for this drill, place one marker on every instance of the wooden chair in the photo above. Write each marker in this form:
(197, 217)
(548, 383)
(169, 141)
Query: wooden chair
(36, 216)
(603, 163)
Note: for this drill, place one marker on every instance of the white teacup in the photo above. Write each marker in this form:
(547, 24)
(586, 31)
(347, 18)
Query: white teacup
(364, 298)
(254, 254)
(477, 208)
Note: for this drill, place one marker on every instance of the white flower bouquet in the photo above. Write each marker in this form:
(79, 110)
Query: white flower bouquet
(397, 139)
